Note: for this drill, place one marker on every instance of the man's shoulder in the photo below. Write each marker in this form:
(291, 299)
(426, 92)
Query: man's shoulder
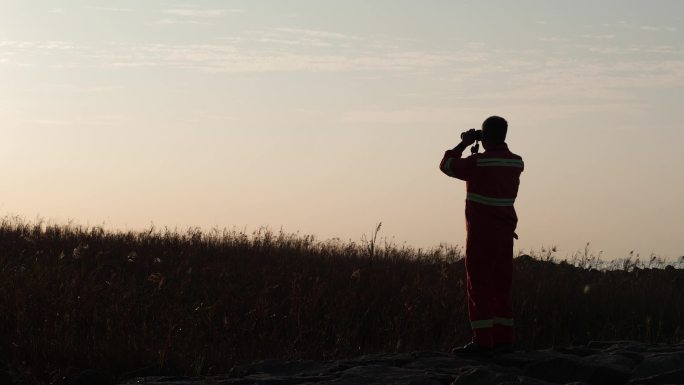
(506, 154)
(516, 156)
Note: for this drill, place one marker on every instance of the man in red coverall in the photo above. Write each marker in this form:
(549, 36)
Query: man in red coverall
(492, 180)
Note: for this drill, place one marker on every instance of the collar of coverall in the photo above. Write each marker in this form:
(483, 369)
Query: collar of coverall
(497, 147)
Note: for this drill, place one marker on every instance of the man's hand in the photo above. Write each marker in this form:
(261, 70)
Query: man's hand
(468, 137)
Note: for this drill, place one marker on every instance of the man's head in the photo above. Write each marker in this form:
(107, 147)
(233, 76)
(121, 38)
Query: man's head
(494, 130)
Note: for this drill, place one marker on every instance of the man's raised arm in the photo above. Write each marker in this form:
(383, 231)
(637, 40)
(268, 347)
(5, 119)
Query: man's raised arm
(454, 166)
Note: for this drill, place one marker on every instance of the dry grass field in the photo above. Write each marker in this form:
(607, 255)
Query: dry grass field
(124, 303)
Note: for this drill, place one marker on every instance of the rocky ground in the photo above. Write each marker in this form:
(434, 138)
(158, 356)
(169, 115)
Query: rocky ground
(599, 362)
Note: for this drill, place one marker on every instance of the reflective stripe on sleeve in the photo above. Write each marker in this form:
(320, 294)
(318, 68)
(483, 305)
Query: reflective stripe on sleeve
(482, 324)
(490, 201)
(447, 167)
(501, 162)
(503, 321)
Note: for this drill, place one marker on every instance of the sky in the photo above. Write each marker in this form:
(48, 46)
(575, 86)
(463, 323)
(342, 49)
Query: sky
(327, 117)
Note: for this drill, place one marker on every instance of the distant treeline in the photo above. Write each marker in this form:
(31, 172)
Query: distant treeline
(133, 303)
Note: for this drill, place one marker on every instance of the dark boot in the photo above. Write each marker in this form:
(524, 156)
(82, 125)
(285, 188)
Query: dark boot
(472, 349)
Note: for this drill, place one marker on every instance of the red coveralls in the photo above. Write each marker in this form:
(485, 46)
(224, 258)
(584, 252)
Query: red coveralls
(492, 180)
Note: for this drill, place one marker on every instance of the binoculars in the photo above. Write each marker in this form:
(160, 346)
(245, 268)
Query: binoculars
(472, 133)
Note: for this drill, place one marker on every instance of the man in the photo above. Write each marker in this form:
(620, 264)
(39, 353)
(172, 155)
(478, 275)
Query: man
(492, 180)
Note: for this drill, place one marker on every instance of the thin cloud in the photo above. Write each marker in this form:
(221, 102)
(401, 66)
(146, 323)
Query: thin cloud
(553, 39)
(213, 58)
(38, 46)
(295, 37)
(237, 56)
(530, 73)
(589, 81)
(132, 64)
(598, 37)
(180, 22)
(294, 42)
(445, 115)
(201, 13)
(109, 9)
(557, 87)
(317, 33)
(633, 50)
(649, 28)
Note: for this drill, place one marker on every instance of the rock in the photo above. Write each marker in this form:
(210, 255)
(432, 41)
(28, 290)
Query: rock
(617, 345)
(672, 377)
(483, 376)
(381, 374)
(570, 368)
(523, 359)
(637, 358)
(476, 376)
(580, 351)
(659, 363)
(616, 361)
(600, 362)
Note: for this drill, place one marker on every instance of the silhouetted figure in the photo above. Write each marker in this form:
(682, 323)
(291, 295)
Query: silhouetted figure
(492, 180)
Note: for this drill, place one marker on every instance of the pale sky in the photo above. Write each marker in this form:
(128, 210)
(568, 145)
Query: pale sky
(326, 117)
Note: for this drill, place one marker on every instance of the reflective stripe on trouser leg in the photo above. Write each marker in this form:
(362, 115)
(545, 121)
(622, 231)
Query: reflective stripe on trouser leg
(502, 321)
(483, 332)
